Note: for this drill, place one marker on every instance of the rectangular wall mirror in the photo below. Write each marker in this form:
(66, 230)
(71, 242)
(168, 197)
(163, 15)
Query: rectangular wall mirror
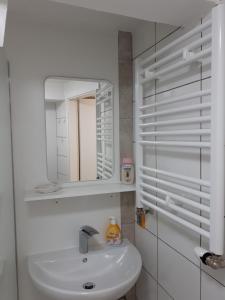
(79, 129)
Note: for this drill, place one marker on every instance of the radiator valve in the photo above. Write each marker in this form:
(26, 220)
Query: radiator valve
(210, 259)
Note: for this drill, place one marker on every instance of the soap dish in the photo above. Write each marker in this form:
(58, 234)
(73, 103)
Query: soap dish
(47, 188)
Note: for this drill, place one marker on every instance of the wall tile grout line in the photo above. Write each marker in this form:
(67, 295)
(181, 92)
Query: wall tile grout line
(201, 173)
(158, 283)
(155, 153)
(223, 285)
(171, 247)
(183, 256)
(177, 87)
(156, 43)
(146, 271)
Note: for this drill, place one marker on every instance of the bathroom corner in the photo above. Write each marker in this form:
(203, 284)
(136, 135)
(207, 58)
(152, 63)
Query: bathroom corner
(127, 200)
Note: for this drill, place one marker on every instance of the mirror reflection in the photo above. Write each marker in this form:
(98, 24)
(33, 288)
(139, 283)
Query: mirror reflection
(79, 129)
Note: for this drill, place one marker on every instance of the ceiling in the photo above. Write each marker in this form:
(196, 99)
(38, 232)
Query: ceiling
(106, 15)
(174, 12)
(66, 17)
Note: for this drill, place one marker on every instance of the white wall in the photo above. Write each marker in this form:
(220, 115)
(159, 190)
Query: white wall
(8, 289)
(171, 270)
(54, 89)
(35, 52)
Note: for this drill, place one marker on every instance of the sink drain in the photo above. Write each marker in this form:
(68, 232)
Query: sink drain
(88, 285)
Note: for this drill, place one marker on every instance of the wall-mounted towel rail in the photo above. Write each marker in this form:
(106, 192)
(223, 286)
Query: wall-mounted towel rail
(176, 42)
(177, 122)
(148, 75)
(177, 99)
(180, 52)
(176, 144)
(188, 123)
(177, 110)
(104, 131)
(177, 132)
(177, 219)
(176, 176)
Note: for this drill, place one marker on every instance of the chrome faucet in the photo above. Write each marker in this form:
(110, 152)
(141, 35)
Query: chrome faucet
(85, 233)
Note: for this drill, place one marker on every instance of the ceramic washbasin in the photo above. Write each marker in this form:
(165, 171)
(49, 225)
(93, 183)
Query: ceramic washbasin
(108, 272)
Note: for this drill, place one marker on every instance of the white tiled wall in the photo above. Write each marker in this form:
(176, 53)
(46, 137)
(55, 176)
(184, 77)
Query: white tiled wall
(170, 268)
(147, 246)
(211, 289)
(176, 274)
(146, 287)
(162, 294)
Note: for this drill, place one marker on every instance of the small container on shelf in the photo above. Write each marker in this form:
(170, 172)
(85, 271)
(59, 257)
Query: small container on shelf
(127, 171)
(140, 216)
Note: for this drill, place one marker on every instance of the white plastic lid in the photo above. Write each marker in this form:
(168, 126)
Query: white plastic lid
(112, 220)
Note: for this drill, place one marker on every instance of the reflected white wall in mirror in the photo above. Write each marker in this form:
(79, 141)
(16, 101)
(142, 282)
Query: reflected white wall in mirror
(79, 129)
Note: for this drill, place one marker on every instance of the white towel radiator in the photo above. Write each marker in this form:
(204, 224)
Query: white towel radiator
(104, 131)
(192, 202)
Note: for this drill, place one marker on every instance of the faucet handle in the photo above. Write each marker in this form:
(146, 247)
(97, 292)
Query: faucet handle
(90, 231)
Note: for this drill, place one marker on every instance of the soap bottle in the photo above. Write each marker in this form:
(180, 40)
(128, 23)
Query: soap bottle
(113, 232)
(127, 171)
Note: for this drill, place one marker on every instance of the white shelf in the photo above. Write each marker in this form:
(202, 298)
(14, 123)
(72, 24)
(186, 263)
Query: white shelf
(80, 191)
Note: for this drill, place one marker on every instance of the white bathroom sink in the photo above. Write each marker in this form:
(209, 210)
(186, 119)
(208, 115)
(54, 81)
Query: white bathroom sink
(109, 271)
